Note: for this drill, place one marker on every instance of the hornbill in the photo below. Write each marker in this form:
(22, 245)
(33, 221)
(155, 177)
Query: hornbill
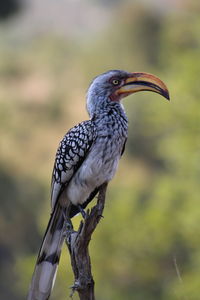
(87, 157)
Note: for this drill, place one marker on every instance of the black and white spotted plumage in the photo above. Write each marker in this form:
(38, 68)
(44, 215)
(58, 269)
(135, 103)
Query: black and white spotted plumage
(87, 157)
(70, 154)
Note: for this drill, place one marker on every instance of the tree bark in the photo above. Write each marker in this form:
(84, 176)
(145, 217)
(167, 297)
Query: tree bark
(78, 243)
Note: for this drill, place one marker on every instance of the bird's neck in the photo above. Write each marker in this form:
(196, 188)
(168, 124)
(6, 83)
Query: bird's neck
(110, 118)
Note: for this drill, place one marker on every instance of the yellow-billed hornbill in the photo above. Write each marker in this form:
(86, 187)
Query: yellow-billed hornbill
(87, 157)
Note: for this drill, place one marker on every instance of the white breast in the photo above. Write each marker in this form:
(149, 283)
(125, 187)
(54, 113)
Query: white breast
(99, 167)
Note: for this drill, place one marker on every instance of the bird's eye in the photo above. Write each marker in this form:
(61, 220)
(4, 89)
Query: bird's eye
(115, 81)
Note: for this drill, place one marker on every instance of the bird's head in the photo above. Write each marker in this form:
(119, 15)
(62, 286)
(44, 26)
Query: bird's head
(116, 84)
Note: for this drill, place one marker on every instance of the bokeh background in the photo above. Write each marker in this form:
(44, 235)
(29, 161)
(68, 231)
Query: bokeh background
(148, 244)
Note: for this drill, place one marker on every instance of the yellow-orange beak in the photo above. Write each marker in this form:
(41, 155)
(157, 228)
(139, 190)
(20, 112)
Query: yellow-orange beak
(137, 82)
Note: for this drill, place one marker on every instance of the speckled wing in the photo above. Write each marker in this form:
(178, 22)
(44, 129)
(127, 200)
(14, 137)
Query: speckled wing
(71, 152)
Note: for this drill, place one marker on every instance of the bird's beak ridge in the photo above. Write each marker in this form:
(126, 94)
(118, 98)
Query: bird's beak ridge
(143, 82)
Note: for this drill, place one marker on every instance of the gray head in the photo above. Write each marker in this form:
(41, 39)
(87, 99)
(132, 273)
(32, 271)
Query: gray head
(113, 85)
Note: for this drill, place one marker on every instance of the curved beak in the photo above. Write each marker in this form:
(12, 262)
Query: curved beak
(137, 82)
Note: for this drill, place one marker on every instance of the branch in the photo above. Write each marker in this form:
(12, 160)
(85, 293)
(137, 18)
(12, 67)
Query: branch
(78, 242)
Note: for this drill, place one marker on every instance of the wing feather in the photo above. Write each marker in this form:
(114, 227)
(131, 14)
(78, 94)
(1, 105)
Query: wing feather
(71, 152)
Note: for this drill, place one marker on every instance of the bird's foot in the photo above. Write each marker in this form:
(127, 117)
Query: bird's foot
(83, 213)
(68, 232)
(67, 223)
(68, 226)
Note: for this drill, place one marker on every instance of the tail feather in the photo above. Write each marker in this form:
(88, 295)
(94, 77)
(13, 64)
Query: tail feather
(47, 263)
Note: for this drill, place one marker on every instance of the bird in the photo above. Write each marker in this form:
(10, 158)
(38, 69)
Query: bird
(86, 158)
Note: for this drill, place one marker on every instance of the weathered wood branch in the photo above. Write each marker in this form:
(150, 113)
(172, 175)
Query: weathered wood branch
(78, 243)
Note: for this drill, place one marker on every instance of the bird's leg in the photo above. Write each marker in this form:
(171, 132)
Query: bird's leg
(68, 229)
(83, 213)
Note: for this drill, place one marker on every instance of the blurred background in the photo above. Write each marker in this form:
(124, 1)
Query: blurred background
(49, 52)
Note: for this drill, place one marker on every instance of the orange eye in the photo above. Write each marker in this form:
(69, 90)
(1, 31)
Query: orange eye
(115, 82)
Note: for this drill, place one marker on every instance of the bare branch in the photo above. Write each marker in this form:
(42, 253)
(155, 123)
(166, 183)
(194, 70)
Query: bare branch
(78, 242)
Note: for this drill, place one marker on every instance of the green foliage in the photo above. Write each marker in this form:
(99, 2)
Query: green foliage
(147, 244)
